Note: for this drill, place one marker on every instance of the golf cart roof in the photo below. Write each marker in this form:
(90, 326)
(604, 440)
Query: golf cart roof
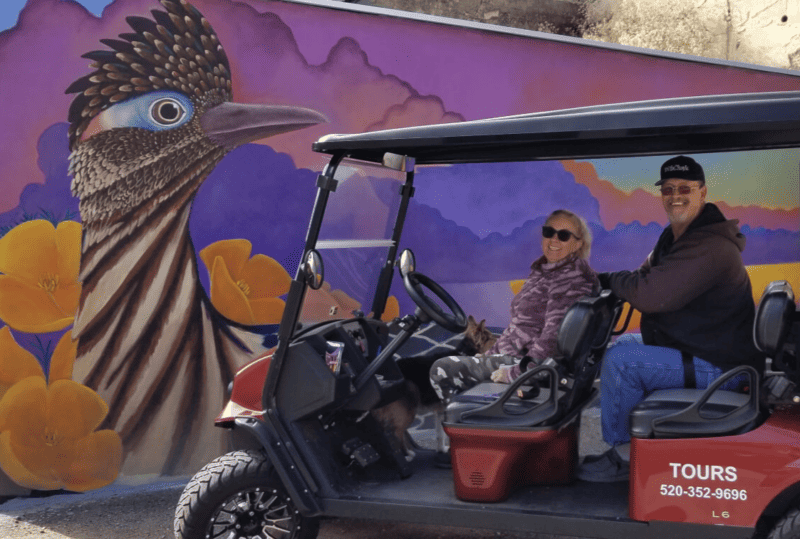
(665, 126)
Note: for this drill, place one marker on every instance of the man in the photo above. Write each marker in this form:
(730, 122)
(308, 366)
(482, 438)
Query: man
(697, 313)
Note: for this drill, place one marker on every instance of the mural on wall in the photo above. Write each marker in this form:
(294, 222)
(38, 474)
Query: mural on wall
(146, 129)
(146, 247)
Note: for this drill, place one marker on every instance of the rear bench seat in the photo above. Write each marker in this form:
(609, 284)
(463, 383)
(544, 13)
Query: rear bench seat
(692, 413)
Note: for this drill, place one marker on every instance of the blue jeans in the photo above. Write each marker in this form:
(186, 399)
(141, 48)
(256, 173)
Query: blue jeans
(632, 370)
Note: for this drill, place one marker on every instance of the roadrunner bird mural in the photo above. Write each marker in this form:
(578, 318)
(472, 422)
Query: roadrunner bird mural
(147, 126)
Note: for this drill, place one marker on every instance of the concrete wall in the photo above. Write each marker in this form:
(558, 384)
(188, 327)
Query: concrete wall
(555, 16)
(763, 32)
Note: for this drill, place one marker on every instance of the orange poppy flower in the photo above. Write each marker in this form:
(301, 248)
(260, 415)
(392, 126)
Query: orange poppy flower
(392, 309)
(63, 359)
(47, 438)
(39, 288)
(245, 289)
(16, 363)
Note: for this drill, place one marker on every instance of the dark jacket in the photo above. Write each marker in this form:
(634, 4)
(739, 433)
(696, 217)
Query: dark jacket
(695, 294)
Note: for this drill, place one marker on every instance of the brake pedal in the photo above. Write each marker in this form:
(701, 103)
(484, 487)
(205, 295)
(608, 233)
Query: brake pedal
(360, 452)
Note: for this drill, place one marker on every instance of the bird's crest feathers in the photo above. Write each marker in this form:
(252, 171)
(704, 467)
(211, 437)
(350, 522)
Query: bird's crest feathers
(176, 50)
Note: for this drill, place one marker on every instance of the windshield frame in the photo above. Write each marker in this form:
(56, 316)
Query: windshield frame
(327, 184)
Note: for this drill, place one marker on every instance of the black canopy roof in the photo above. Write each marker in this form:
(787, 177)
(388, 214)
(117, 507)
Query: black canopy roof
(665, 126)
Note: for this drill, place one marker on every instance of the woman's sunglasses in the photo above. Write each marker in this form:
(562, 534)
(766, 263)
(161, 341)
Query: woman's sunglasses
(682, 190)
(563, 234)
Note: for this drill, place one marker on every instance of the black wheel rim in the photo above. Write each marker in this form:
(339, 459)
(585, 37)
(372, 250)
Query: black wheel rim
(254, 513)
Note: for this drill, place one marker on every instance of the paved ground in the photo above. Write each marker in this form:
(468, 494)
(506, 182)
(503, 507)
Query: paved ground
(149, 516)
(144, 511)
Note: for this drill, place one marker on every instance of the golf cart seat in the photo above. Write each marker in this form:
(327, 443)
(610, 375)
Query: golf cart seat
(775, 317)
(699, 413)
(499, 441)
(585, 330)
(694, 413)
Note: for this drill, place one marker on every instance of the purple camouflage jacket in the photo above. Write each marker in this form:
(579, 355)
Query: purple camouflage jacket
(539, 307)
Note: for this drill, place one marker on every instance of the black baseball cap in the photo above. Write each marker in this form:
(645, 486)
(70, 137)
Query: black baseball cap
(682, 167)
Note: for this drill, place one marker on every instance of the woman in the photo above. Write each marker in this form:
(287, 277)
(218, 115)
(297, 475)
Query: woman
(557, 279)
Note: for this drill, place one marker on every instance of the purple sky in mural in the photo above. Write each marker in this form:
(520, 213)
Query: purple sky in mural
(52, 199)
(515, 192)
(238, 200)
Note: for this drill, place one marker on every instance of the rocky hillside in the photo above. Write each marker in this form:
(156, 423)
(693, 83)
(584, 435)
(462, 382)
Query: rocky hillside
(764, 32)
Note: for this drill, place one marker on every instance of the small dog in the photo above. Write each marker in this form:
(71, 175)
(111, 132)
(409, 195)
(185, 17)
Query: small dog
(480, 338)
(397, 416)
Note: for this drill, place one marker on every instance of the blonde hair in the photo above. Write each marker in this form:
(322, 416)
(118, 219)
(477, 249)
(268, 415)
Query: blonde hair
(583, 230)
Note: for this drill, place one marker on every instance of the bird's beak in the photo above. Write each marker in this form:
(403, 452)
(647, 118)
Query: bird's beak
(232, 124)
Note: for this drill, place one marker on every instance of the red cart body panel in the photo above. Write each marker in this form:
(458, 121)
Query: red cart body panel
(248, 388)
(726, 480)
(488, 464)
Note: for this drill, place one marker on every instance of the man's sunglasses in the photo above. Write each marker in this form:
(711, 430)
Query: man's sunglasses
(682, 190)
(563, 234)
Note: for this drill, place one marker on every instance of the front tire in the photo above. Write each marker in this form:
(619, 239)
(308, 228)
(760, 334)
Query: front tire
(788, 527)
(239, 495)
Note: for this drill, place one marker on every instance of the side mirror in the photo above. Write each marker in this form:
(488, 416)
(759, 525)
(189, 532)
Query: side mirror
(313, 271)
(407, 262)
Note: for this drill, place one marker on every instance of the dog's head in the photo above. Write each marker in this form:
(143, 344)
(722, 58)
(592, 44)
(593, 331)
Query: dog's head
(478, 336)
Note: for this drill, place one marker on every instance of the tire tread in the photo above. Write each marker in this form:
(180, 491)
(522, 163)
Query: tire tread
(787, 527)
(219, 479)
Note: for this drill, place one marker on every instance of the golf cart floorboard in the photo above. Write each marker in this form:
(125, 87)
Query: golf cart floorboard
(578, 509)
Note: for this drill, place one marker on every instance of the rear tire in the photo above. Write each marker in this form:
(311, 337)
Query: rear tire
(240, 489)
(788, 527)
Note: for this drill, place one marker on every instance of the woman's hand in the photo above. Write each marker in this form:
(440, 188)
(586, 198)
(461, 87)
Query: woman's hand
(504, 375)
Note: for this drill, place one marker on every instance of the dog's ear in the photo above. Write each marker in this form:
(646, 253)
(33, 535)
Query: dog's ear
(471, 322)
(482, 325)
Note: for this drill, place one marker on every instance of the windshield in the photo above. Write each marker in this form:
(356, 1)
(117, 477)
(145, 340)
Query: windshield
(354, 241)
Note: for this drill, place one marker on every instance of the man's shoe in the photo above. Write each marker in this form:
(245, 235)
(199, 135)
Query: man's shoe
(607, 468)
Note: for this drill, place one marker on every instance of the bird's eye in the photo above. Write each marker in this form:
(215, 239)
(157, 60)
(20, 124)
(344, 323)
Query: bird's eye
(167, 111)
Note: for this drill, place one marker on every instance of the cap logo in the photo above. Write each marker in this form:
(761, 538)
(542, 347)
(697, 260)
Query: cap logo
(681, 167)
(672, 168)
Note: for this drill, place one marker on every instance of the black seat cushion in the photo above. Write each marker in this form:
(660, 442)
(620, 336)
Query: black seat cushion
(664, 402)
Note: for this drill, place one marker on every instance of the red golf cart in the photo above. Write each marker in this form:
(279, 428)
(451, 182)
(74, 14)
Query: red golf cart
(704, 463)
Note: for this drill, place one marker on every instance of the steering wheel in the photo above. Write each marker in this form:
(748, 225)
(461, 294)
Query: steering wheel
(455, 320)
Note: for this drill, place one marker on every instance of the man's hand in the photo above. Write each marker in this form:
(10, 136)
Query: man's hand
(503, 375)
